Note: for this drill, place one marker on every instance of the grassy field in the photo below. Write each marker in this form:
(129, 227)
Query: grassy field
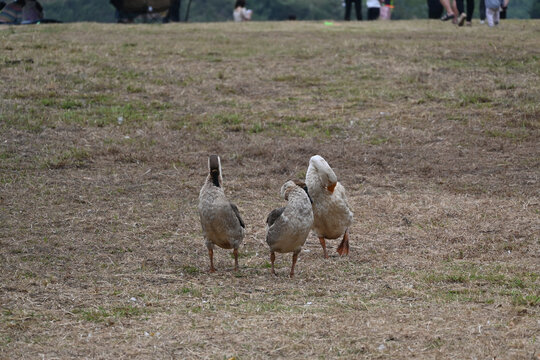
(104, 136)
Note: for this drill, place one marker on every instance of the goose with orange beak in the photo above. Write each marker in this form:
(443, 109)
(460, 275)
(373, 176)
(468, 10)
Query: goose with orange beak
(221, 222)
(332, 215)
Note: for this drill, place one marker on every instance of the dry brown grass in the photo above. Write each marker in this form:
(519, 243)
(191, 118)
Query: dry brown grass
(433, 130)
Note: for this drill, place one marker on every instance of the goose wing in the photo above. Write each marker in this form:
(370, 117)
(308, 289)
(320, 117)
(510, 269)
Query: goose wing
(274, 215)
(237, 213)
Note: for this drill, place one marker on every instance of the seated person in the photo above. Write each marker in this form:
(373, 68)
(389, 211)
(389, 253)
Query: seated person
(240, 12)
(32, 12)
(12, 12)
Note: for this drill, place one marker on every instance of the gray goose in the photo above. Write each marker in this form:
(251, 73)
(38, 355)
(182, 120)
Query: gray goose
(331, 212)
(221, 222)
(287, 227)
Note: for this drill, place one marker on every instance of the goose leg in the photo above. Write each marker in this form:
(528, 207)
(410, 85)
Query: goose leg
(235, 252)
(294, 258)
(323, 244)
(272, 259)
(343, 248)
(211, 255)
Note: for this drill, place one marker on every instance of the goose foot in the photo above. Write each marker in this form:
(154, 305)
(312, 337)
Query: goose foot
(343, 248)
(323, 244)
(294, 258)
(235, 252)
(211, 255)
(272, 259)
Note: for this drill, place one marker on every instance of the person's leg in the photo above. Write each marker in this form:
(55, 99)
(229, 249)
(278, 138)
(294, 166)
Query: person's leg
(461, 11)
(449, 12)
(460, 6)
(502, 13)
(432, 9)
(358, 8)
(372, 13)
(438, 9)
(489, 17)
(454, 7)
(470, 10)
(348, 4)
(482, 10)
(497, 16)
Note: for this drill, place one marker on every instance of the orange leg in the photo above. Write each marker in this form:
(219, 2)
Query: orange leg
(272, 259)
(235, 252)
(211, 255)
(294, 258)
(323, 244)
(343, 248)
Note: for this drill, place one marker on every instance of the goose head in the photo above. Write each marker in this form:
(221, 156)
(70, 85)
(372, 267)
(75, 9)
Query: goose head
(291, 185)
(214, 168)
(286, 189)
(324, 172)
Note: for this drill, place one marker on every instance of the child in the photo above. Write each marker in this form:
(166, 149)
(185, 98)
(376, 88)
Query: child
(493, 10)
(386, 9)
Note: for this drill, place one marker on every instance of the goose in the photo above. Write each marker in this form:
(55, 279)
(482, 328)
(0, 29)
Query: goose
(331, 212)
(287, 227)
(221, 222)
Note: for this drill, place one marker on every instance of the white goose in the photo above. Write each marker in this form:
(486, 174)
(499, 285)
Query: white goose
(221, 222)
(331, 212)
(288, 227)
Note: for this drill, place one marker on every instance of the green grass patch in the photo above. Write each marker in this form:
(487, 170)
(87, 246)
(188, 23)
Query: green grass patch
(507, 134)
(101, 313)
(192, 270)
(71, 104)
(526, 300)
(74, 157)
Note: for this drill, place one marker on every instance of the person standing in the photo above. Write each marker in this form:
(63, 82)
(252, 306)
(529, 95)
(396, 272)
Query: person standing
(374, 9)
(357, 7)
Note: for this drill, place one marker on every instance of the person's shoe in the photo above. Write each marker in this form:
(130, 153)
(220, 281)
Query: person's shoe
(461, 19)
(468, 23)
(447, 17)
(482, 22)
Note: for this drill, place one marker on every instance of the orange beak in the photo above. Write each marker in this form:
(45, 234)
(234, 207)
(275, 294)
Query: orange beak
(331, 187)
